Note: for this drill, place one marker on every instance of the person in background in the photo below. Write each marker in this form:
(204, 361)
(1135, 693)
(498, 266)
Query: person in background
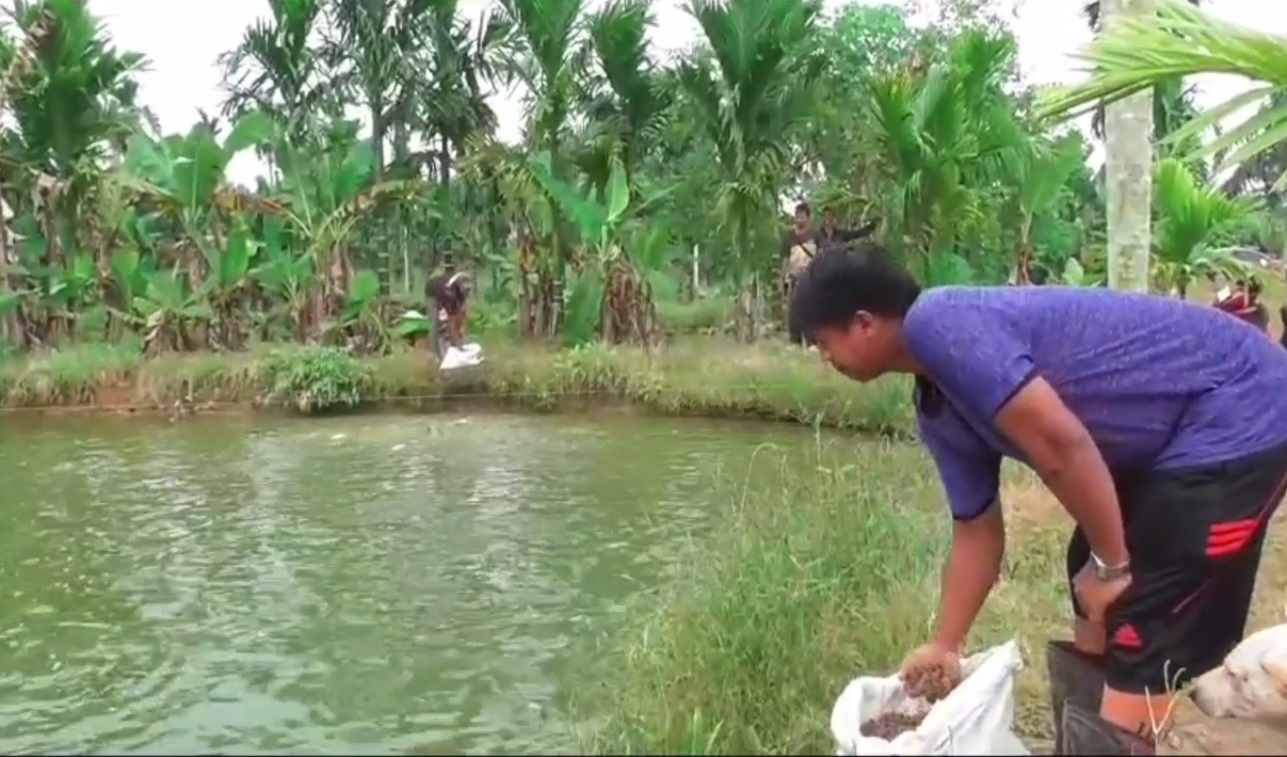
(1282, 315)
(830, 234)
(799, 246)
(448, 295)
(1243, 302)
(1157, 425)
(1259, 314)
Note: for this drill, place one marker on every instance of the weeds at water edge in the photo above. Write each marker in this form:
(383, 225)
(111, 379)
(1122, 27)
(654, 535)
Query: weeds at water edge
(826, 568)
(694, 377)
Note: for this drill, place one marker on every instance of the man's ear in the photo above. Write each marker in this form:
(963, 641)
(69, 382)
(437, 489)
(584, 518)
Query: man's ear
(863, 320)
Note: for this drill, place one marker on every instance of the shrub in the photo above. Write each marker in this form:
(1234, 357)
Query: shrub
(316, 379)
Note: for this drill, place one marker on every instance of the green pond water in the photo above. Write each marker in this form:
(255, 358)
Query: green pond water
(372, 585)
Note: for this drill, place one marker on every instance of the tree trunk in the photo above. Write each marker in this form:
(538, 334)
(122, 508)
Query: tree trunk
(384, 268)
(1128, 165)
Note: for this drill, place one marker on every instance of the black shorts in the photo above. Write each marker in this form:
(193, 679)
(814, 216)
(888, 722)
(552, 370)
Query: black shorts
(1195, 538)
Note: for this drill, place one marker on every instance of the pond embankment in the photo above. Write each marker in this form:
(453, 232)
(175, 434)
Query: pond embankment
(696, 378)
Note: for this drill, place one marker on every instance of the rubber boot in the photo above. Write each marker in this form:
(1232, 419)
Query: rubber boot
(1075, 678)
(1085, 732)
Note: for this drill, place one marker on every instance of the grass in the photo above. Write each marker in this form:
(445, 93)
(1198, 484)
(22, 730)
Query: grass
(709, 376)
(822, 572)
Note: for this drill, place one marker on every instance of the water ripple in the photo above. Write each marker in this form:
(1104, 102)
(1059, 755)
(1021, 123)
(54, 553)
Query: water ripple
(370, 585)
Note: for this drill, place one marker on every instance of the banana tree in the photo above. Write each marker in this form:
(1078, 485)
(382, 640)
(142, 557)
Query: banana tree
(226, 286)
(285, 278)
(168, 310)
(613, 287)
(1190, 218)
(1075, 275)
(360, 321)
(325, 192)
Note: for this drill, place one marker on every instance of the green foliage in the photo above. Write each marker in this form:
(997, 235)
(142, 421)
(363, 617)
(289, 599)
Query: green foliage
(316, 380)
(1190, 218)
(643, 199)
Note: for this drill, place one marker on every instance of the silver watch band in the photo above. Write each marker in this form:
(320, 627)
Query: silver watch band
(1106, 572)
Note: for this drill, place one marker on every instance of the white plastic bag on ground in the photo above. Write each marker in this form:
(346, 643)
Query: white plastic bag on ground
(976, 718)
(467, 355)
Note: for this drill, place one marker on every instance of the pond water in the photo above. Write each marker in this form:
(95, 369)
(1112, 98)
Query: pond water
(375, 585)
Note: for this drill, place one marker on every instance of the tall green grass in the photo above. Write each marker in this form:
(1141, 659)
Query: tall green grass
(822, 566)
(825, 566)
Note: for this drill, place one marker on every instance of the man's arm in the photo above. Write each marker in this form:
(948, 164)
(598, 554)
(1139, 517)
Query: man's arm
(972, 569)
(970, 474)
(1060, 450)
(862, 232)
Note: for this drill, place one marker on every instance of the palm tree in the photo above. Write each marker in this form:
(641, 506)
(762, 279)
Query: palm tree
(547, 58)
(1128, 145)
(449, 105)
(275, 70)
(943, 136)
(375, 51)
(1173, 103)
(1183, 41)
(1040, 174)
(751, 91)
(628, 99)
(70, 95)
(1190, 216)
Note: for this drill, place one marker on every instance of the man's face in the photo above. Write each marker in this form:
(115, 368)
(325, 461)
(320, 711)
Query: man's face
(858, 350)
(802, 220)
(829, 219)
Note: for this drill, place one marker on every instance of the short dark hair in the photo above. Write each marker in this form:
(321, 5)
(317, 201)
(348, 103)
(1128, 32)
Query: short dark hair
(840, 281)
(803, 207)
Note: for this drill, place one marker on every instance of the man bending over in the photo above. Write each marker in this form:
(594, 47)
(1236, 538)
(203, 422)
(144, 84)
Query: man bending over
(1156, 423)
(448, 292)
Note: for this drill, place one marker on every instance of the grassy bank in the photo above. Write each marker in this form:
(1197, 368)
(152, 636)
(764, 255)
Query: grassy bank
(822, 571)
(827, 570)
(698, 376)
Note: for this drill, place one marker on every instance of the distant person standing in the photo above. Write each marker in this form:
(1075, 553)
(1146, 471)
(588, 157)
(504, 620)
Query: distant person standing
(448, 293)
(799, 247)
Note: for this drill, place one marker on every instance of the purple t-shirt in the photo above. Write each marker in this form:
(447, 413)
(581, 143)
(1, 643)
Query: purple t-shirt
(1159, 383)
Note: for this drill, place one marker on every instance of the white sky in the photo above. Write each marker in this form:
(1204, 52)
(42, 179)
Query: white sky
(182, 38)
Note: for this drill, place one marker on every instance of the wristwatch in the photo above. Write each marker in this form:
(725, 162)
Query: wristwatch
(1106, 572)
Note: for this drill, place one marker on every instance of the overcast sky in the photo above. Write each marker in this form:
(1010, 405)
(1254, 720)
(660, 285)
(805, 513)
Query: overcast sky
(182, 38)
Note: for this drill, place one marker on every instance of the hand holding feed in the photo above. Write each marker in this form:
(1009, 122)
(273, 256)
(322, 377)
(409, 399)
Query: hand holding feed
(931, 672)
